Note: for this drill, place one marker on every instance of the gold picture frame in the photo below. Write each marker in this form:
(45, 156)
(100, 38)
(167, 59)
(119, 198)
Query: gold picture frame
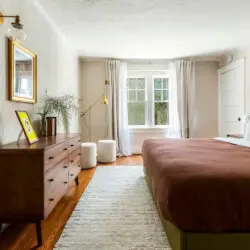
(22, 73)
(26, 125)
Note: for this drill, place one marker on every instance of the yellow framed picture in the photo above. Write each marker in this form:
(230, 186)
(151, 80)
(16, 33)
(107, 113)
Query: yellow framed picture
(27, 127)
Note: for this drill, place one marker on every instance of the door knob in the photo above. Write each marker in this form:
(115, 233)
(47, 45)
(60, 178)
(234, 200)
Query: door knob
(239, 119)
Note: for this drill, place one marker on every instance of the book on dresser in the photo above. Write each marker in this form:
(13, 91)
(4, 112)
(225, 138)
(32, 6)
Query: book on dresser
(34, 177)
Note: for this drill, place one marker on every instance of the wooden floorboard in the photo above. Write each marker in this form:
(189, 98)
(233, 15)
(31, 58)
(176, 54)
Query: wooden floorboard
(21, 237)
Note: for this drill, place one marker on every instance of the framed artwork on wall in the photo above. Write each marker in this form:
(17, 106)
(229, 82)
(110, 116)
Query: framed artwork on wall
(27, 127)
(22, 72)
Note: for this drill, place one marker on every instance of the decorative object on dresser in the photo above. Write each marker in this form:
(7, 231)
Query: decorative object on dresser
(22, 70)
(64, 107)
(40, 174)
(51, 126)
(27, 127)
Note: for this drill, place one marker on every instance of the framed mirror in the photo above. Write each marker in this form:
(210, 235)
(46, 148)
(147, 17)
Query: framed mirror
(22, 73)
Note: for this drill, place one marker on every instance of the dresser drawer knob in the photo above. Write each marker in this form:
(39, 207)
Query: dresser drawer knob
(51, 199)
(65, 182)
(51, 158)
(65, 166)
(71, 161)
(50, 180)
(65, 149)
(71, 174)
(79, 154)
(72, 145)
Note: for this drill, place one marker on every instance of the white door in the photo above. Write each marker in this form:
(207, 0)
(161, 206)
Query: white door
(232, 98)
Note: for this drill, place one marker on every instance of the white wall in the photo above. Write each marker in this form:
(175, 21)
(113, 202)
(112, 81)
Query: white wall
(206, 123)
(57, 64)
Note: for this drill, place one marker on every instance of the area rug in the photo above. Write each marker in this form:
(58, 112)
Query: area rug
(116, 212)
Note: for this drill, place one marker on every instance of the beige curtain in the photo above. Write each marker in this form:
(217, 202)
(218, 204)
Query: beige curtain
(182, 74)
(117, 113)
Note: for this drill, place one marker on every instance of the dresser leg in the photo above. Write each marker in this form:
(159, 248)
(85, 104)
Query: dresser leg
(77, 181)
(39, 233)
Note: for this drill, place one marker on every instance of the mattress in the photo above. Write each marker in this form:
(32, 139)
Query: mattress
(200, 185)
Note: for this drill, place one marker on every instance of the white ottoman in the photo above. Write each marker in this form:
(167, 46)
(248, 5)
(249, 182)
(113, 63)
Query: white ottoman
(106, 151)
(88, 155)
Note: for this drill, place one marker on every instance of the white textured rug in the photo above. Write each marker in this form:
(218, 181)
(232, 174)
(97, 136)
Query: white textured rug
(116, 212)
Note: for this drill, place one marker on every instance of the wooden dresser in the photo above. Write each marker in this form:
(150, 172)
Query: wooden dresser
(33, 178)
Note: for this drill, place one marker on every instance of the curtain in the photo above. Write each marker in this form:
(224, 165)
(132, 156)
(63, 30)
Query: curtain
(118, 113)
(182, 96)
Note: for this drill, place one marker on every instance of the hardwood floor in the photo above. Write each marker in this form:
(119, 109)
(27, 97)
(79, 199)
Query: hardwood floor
(20, 237)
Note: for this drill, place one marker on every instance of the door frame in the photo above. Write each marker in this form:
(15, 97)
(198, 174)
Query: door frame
(234, 65)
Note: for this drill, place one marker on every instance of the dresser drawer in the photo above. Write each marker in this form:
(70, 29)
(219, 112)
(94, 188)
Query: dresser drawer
(75, 157)
(73, 173)
(57, 174)
(55, 154)
(56, 184)
(74, 143)
(52, 200)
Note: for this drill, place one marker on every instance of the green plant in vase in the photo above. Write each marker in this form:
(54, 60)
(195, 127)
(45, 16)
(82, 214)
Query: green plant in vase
(63, 107)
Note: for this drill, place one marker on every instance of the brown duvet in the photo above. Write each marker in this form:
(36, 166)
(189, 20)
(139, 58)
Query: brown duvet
(200, 185)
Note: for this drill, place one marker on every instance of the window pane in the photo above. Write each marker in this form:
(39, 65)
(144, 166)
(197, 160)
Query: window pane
(140, 95)
(132, 95)
(165, 95)
(132, 83)
(157, 95)
(136, 113)
(140, 83)
(161, 113)
(157, 83)
(165, 83)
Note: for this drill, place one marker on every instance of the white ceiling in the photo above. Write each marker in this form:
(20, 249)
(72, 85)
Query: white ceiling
(152, 28)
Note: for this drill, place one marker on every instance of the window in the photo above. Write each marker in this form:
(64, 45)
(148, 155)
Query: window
(148, 98)
(136, 88)
(161, 101)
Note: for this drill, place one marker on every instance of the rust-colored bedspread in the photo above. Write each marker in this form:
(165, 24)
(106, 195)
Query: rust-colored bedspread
(200, 185)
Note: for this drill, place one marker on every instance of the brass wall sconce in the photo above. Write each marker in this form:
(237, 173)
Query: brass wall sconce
(15, 32)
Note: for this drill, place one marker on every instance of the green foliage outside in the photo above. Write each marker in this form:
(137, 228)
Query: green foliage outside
(161, 113)
(136, 113)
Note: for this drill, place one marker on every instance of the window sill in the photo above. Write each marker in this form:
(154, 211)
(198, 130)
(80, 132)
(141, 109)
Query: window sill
(146, 130)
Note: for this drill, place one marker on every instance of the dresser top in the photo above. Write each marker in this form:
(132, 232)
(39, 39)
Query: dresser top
(43, 143)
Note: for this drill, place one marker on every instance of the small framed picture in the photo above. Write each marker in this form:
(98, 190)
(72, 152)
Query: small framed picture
(27, 127)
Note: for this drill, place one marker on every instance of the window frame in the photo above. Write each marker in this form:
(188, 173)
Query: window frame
(149, 76)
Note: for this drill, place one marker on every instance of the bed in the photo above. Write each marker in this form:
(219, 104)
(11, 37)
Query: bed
(202, 191)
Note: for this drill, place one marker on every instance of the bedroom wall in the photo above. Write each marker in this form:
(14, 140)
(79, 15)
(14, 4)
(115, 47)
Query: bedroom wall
(206, 123)
(92, 81)
(206, 108)
(57, 64)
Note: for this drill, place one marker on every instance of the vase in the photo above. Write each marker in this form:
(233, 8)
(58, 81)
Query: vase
(51, 126)
(43, 131)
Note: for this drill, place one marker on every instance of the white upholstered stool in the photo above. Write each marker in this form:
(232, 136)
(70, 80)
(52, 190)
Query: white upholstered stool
(88, 155)
(106, 151)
